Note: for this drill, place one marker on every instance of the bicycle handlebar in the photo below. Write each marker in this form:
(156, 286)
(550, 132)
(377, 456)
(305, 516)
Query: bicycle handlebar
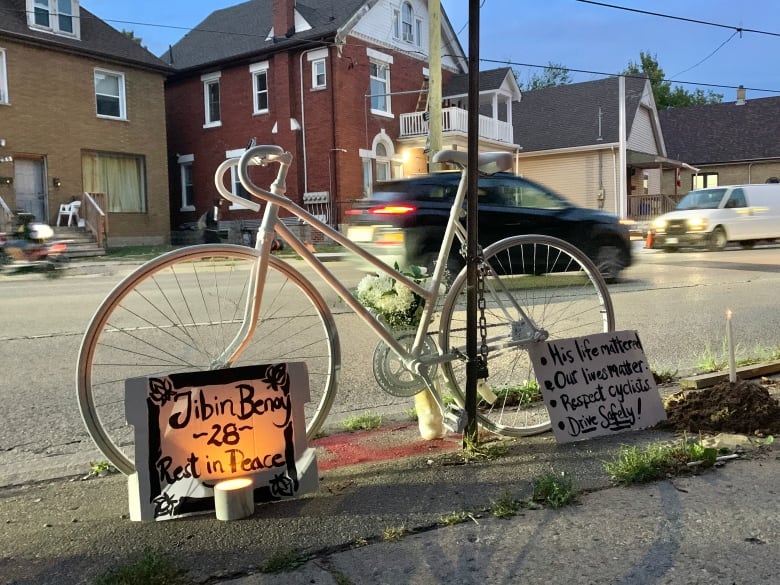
(256, 155)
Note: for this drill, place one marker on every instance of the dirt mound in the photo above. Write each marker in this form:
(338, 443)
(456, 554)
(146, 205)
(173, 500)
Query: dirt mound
(744, 407)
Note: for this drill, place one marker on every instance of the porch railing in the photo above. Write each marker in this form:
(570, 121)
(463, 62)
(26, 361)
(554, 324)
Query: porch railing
(456, 120)
(6, 217)
(647, 207)
(95, 218)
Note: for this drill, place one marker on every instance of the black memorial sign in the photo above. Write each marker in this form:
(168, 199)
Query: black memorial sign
(193, 430)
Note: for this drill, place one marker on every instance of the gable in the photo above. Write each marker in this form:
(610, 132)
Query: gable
(577, 115)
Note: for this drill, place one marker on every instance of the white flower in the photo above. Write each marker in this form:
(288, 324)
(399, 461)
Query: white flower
(395, 302)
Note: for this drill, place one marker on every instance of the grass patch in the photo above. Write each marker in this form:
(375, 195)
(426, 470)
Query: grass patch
(714, 361)
(362, 422)
(456, 518)
(521, 394)
(393, 534)
(633, 465)
(664, 376)
(284, 561)
(489, 450)
(153, 568)
(554, 489)
(506, 506)
(136, 252)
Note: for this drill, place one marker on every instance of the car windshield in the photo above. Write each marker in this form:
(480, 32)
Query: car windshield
(701, 199)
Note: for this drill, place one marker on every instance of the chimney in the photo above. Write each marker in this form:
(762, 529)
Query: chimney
(284, 18)
(741, 95)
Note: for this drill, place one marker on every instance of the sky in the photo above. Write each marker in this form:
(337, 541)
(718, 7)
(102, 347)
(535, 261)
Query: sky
(588, 38)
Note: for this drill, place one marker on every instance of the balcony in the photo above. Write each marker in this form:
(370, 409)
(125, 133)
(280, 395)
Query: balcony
(455, 120)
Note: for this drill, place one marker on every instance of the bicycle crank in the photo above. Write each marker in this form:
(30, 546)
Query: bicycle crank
(390, 372)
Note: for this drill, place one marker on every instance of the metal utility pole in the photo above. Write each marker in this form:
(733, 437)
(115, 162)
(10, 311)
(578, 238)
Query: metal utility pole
(434, 79)
(470, 435)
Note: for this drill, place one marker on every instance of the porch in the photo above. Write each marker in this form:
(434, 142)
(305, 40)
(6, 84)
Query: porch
(455, 121)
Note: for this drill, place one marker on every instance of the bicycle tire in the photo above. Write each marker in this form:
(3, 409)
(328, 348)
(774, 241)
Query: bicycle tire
(178, 312)
(559, 288)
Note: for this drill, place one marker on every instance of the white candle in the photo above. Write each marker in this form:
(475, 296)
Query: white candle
(730, 341)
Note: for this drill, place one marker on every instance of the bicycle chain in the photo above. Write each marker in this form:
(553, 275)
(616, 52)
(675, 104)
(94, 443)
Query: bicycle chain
(482, 367)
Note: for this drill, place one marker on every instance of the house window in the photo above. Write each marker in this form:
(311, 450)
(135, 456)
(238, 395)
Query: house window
(4, 99)
(259, 73)
(187, 190)
(56, 16)
(238, 189)
(704, 181)
(407, 19)
(379, 74)
(211, 107)
(318, 79)
(110, 94)
(122, 177)
(382, 163)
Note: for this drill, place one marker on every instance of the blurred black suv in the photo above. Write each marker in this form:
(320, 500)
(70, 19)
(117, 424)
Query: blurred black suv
(404, 220)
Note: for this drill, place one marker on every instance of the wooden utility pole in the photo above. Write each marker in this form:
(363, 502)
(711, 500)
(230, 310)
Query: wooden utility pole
(434, 79)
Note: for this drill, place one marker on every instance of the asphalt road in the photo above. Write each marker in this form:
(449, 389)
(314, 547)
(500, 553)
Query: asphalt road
(677, 302)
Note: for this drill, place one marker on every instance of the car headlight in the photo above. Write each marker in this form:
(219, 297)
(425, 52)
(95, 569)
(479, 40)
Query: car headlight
(659, 225)
(697, 224)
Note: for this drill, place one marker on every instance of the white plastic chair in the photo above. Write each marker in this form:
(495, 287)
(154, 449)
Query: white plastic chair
(71, 211)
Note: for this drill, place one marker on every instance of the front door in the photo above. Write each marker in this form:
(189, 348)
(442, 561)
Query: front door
(28, 183)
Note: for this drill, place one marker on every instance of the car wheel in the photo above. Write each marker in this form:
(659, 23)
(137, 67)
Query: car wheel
(718, 239)
(609, 261)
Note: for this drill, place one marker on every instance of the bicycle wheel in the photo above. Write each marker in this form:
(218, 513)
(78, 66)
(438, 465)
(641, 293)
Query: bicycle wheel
(178, 312)
(558, 288)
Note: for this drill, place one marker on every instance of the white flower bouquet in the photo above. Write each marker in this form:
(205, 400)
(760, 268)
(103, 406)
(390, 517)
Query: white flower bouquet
(396, 303)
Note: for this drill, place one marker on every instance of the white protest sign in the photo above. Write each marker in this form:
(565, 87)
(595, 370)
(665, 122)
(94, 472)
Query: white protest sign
(195, 429)
(597, 385)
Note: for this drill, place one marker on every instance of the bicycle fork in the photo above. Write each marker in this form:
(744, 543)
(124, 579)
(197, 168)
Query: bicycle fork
(254, 293)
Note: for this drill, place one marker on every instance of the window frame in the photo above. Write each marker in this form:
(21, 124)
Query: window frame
(186, 161)
(259, 70)
(382, 62)
(209, 81)
(5, 97)
(407, 13)
(121, 97)
(112, 198)
(55, 16)
(702, 181)
(316, 83)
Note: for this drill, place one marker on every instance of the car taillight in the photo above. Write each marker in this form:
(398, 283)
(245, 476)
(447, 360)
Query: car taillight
(401, 209)
(353, 212)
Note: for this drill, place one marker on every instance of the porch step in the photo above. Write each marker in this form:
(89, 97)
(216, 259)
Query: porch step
(81, 242)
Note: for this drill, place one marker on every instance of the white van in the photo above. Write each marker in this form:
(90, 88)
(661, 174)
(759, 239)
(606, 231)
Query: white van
(713, 217)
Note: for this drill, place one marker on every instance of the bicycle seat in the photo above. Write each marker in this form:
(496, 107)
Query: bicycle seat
(488, 162)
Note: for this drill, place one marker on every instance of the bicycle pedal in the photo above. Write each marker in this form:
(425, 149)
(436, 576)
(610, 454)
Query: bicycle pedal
(455, 420)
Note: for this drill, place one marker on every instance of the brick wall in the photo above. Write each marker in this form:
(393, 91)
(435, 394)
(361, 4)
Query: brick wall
(52, 118)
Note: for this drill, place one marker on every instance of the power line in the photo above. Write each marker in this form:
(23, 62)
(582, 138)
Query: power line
(738, 29)
(735, 33)
(603, 73)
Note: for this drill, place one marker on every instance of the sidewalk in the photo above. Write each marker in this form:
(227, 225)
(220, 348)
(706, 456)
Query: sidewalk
(718, 528)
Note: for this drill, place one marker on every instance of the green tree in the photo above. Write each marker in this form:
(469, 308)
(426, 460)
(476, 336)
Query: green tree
(131, 35)
(552, 74)
(665, 95)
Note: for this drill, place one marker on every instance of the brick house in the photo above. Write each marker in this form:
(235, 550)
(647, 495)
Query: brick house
(81, 110)
(340, 84)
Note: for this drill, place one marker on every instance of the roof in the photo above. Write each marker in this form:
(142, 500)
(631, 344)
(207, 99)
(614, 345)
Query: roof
(489, 80)
(574, 115)
(725, 132)
(243, 30)
(97, 38)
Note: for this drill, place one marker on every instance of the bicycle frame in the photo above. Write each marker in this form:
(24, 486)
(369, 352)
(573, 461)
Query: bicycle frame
(270, 224)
